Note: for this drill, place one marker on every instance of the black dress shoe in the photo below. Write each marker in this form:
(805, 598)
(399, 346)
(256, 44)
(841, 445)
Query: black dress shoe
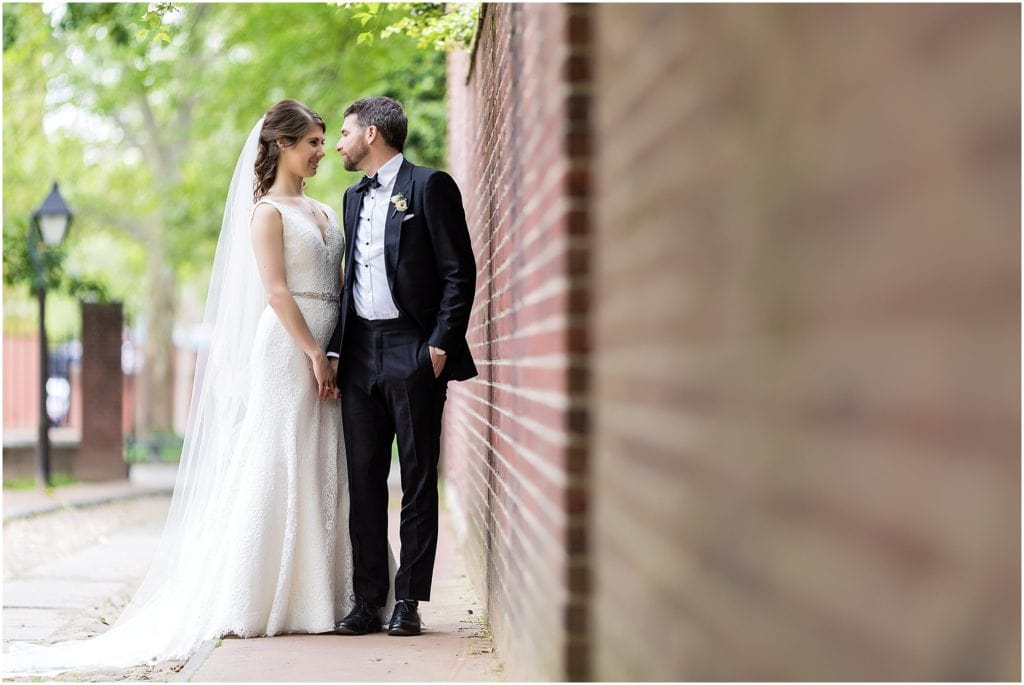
(406, 619)
(363, 619)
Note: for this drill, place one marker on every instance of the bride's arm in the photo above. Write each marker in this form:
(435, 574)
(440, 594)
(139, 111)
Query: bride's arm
(267, 234)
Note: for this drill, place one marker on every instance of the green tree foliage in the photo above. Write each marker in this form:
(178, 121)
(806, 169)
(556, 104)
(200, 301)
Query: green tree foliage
(31, 160)
(435, 25)
(139, 111)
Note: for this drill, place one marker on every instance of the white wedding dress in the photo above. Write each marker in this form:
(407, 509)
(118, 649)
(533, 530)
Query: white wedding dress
(257, 536)
(286, 564)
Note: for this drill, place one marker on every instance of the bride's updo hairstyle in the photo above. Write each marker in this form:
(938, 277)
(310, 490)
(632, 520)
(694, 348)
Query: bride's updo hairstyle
(286, 121)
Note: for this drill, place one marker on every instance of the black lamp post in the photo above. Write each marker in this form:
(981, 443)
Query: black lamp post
(50, 224)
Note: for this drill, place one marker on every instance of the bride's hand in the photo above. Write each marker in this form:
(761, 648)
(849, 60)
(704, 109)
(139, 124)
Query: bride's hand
(324, 374)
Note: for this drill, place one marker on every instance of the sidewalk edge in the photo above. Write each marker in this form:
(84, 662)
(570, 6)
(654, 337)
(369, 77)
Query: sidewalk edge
(196, 661)
(83, 504)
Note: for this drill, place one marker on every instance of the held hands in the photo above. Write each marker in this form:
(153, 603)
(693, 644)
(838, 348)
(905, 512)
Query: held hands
(326, 371)
(336, 395)
(325, 374)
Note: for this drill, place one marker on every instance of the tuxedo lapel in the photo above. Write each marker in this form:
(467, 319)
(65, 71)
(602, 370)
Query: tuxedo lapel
(351, 219)
(393, 226)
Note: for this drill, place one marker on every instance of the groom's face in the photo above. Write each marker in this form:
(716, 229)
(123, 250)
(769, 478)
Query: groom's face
(352, 145)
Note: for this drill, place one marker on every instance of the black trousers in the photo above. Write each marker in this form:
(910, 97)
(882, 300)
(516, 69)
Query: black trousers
(388, 389)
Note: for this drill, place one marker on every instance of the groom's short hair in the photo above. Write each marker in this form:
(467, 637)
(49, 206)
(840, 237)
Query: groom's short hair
(386, 114)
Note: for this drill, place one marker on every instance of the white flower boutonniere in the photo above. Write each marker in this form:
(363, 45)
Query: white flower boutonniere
(400, 202)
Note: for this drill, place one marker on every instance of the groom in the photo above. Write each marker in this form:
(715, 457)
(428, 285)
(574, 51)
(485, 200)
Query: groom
(410, 276)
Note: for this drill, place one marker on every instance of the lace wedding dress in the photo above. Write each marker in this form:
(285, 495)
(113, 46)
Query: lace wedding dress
(286, 563)
(257, 539)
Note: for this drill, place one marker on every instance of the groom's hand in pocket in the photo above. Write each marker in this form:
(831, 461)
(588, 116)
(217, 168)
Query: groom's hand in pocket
(437, 360)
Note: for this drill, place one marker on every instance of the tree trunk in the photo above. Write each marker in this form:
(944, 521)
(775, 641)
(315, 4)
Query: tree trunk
(156, 409)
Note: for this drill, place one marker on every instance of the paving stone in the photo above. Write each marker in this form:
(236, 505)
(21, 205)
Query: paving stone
(31, 624)
(124, 556)
(57, 594)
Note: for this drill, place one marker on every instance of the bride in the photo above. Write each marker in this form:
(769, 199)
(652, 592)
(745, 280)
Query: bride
(256, 539)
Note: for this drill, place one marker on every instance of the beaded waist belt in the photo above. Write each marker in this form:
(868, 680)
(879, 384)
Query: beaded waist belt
(326, 297)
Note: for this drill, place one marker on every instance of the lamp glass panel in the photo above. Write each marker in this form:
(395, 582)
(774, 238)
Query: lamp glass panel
(53, 227)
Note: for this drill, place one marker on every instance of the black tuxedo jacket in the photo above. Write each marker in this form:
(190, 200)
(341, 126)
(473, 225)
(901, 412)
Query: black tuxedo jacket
(429, 262)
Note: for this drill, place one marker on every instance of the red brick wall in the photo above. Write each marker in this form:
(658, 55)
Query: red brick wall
(514, 439)
(806, 342)
(752, 398)
(21, 387)
(21, 382)
(100, 454)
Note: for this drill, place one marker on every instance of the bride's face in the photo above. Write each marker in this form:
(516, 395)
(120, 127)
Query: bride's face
(303, 158)
(352, 145)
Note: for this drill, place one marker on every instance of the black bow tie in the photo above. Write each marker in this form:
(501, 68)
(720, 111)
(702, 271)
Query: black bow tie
(367, 182)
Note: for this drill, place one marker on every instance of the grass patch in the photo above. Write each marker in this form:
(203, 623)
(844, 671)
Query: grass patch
(58, 480)
(163, 447)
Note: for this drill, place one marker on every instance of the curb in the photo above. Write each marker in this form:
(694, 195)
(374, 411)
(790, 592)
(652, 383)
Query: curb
(84, 504)
(196, 661)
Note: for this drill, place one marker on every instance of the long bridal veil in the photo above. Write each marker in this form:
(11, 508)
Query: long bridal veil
(172, 612)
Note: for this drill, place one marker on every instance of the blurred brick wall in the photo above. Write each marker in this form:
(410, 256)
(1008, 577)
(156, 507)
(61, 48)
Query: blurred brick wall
(21, 388)
(514, 443)
(21, 382)
(100, 454)
(806, 342)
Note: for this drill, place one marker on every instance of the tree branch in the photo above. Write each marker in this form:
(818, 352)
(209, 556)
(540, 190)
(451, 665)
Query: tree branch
(193, 59)
(128, 131)
(166, 169)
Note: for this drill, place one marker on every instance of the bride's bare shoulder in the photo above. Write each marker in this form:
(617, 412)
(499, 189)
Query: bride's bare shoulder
(266, 216)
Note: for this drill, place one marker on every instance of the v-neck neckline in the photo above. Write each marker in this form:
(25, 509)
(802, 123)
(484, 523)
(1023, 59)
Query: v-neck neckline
(324, 238)
(327, 222)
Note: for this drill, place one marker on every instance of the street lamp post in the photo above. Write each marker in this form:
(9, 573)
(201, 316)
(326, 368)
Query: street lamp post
(49, 223)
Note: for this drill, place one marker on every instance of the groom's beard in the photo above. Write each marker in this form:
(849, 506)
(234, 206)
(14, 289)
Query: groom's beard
(353, 161)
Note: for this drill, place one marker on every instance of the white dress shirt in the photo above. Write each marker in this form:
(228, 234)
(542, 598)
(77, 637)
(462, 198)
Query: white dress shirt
(370, 291)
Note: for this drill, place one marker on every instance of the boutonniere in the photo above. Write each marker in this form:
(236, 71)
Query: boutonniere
(400, 202)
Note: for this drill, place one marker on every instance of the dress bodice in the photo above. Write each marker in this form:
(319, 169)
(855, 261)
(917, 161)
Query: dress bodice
(312, 260)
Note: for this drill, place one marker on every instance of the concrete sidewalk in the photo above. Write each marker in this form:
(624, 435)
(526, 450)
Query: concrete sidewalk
(72, 595)
(74, 555)
(455, 644)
